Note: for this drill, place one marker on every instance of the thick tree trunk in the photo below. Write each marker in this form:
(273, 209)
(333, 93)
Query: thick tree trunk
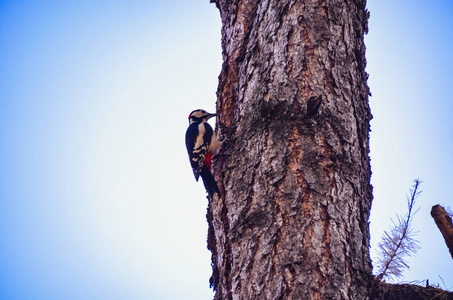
(292, 222)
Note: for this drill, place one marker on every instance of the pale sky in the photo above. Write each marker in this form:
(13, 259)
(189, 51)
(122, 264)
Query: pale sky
(97, 198)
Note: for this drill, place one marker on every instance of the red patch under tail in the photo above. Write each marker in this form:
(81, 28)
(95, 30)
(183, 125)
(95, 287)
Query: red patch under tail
(207, 161)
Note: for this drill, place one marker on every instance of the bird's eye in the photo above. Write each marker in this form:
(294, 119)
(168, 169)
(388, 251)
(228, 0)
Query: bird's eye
(203, 112)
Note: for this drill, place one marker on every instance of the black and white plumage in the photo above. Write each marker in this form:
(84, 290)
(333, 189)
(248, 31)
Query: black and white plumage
(202, 144)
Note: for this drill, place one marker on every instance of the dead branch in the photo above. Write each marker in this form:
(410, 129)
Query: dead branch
(445, 225)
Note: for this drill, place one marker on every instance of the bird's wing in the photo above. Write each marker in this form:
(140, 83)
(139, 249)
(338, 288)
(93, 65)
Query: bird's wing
(199, 152)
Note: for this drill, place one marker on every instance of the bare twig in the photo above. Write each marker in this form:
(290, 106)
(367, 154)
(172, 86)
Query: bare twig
(399, 242)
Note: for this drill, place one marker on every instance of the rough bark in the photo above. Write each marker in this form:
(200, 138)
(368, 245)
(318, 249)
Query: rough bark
(387, 291)
(292, 222)
(292, 218)
(445, 225)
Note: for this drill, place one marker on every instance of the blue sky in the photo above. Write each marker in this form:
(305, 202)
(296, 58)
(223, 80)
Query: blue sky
(411, 72)
(97, 200)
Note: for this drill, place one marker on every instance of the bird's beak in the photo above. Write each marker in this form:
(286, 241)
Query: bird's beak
(211, 115)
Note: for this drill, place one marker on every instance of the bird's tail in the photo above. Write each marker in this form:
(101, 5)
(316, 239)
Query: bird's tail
(209, 181)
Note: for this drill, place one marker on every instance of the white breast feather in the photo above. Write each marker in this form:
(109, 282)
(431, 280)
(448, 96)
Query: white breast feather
(215, 145)
(200, 141)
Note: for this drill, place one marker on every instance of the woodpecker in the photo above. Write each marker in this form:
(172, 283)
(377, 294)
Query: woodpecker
(202, 144)
(313, 104)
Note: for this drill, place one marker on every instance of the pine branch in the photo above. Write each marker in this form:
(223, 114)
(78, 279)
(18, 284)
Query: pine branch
(399, 242)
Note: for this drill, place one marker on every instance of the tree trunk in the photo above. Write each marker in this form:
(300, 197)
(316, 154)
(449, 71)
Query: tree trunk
(292, 221)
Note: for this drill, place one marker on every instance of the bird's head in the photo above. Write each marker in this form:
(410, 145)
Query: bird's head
(200, 115)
